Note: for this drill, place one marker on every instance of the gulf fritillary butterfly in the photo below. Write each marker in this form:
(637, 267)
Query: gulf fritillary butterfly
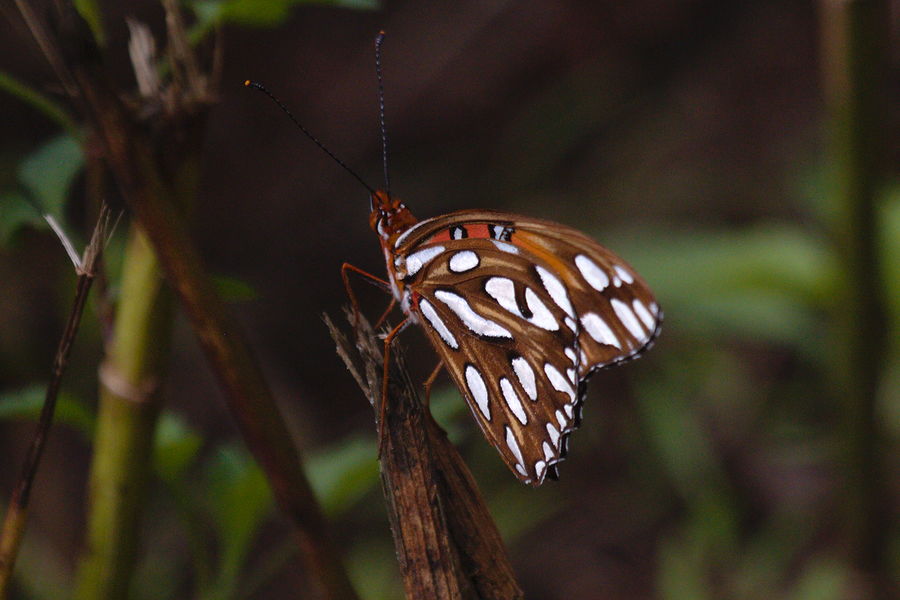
(521, 312)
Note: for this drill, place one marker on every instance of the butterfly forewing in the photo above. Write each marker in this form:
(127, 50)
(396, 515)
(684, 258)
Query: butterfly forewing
(522, 311)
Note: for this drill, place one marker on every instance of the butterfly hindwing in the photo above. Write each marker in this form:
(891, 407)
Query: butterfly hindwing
(506, 344)
(505, 299)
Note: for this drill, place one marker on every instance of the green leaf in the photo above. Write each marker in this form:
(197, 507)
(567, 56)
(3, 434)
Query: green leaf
(766, 283)
(175, 448)
(50, 109)
(233, 289)
(26, 403)
(90, 12)
(257, 13)
(47, 173)
(240, 500)
(15, 214)
(342, 474)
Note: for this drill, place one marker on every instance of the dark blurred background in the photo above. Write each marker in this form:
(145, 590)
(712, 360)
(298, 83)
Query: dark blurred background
(690, 137)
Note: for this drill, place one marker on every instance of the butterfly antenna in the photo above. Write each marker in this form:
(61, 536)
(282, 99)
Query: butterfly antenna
(262, 88)
(379, 40)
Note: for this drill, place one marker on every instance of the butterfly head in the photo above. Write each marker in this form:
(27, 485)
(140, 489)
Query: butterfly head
(389, 216)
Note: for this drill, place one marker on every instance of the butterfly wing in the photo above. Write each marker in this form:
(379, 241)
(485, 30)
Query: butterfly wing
(522, 311)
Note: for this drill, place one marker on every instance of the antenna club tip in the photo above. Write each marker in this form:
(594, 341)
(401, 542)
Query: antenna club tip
(247, 83)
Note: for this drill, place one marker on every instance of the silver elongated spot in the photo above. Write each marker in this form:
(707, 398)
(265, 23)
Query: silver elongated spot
(417, 260)
(592, 273)
(504, 247)
(600, 330)
(540, 467)
(503, 290)
(626, 315)
(513, 446)
(624, 274)
(463, 261)
(475, 322)
(549, 454)
(558, 381)
(525, 375)
(540, 314)
(556, 290)
(553, 433)
(561, 419)
(475, 383)
(512, 400)
(437, 323)
(643, 314)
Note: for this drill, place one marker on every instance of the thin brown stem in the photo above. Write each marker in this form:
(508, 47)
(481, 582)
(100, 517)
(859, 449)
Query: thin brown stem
(16, 516)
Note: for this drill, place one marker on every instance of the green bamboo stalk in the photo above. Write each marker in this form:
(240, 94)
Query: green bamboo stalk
(855, 47)
(126, 421)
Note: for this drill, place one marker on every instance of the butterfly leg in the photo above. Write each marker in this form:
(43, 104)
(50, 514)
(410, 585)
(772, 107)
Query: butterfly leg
(430, 381)
(346, 269)
(382, 409)
(386, 312)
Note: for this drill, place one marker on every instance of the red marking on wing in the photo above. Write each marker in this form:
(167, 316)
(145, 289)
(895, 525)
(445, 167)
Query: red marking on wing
(442, 236)
(478, 230)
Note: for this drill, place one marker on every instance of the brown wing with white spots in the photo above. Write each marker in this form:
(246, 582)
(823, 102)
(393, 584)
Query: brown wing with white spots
(521, 312)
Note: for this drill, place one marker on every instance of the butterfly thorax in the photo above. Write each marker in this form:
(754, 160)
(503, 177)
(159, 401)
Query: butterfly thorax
(389, 219)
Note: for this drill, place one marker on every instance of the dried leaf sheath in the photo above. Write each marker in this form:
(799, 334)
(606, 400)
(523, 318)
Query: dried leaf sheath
(447, 543)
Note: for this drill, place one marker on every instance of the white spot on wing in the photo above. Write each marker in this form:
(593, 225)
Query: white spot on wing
(571, 354)
(437, 323)
(569, 410)
(417, 260)
(512, 400)
(475, 322)
(504, 247)
(548, 452)
(558, 381)
(525, 375)
(514, 446)
(598, 329)
(654, 308)
(553, 433)
(463, 261)
(475, 383)
(643, 314)
(624, 274)
(628, 319)
(561, 419)
(502, 289)
(594, 275)
(556, 290)
(540, 467)
(540, 314)
(522, 470)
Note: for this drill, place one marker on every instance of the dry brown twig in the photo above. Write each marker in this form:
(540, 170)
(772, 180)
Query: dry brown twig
(14, 522)
(447, 544)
